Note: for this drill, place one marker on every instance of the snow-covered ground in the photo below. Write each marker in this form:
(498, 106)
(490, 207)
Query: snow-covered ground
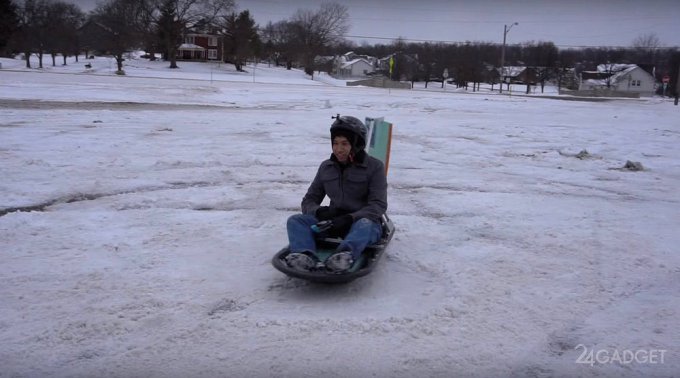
(159, 198)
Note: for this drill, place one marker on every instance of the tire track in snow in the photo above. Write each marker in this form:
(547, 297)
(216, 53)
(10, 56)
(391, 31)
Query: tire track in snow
(80, 197)
(128, 105)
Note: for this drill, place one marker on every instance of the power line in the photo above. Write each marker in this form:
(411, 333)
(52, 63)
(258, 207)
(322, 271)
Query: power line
(498, 44)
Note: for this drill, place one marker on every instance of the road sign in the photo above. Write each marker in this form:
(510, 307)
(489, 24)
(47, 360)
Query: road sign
(446, 73)
(666, 79)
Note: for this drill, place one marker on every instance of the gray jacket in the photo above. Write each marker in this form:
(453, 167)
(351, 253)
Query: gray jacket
(360, 189)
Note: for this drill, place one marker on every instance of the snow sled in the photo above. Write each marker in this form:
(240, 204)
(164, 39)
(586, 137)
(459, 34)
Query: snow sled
(326, 246)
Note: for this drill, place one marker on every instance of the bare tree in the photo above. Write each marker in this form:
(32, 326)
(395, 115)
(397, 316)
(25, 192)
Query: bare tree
(608, 69)
(176, 16)
(646, 49)
(281, 42)
(122, 21)
(273, 37)
(649, 41)
(213, 11)
(316, 30)
(542, 56)
(31, 33)
(148, 14)
(65, 18)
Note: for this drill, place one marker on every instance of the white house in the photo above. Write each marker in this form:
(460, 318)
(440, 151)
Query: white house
(355, 68)
(619, 77)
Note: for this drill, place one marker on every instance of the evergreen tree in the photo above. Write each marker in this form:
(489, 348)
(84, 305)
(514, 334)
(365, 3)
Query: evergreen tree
(170, 31)
(9, 23)
(241, 40)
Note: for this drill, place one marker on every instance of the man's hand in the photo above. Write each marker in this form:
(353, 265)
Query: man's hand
(322, 226)
(324, 213)
(342, 224)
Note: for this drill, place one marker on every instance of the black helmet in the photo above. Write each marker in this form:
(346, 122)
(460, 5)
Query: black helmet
(352, 128)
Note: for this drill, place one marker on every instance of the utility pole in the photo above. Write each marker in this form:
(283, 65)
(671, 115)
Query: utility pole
(506, 29)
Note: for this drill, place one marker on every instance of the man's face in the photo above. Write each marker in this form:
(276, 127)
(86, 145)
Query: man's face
(341, 148)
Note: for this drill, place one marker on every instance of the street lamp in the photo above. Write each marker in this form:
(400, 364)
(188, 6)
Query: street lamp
(506, 29)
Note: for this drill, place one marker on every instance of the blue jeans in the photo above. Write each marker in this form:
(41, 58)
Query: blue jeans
(363, 233)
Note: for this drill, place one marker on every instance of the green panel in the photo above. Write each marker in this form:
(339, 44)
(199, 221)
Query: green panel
(380, 139)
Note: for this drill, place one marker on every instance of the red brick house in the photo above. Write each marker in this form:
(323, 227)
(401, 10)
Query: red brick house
(200, 47)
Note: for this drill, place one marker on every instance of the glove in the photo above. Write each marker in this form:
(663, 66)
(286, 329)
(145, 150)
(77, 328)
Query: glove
(324, 213)
(341, 225)
(322, 226)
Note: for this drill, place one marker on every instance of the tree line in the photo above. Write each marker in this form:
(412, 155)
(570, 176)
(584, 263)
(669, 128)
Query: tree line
(113, 27)
(55, 28)
(478, 62)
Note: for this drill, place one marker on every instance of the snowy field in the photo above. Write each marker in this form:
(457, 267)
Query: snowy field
(139, 214)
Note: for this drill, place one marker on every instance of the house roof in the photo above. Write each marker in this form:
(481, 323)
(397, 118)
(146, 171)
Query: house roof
(618, 73)
(621, 74)
(97, 24)
(615, 67)
(353, 62)
(513, 71)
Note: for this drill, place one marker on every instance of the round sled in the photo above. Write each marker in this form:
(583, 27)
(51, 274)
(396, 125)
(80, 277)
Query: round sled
(326, 247)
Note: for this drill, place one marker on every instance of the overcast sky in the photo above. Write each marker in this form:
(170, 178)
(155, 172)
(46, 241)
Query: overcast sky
(564, 22)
